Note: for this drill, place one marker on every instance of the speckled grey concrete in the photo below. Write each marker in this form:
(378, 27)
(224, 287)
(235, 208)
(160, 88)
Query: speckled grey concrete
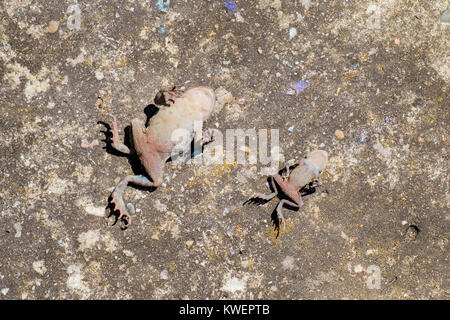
(377, 101)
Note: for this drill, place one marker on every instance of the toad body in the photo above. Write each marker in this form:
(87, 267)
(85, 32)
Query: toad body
(293, 181)
(154, 144)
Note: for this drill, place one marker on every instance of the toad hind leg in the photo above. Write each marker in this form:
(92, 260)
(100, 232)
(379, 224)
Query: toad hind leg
(280, 209)
(117, 199)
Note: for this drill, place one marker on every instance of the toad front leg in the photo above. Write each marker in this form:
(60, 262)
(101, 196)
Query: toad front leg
(167, 97)
(115, 141)
(267, 197)
(261, 198)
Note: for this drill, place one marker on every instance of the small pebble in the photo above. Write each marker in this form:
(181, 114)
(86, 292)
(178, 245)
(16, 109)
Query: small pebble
(339, 134)
(445, 18)
(99, 102)
(84, 144)
(292, 33)
(99, 75)
(189, 243)
(52, 26)
(358, 268)
(241, 101)
(291, 92)
(131, 208)
(164, 275)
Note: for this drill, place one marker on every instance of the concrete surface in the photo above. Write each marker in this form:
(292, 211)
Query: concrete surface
(378, 71)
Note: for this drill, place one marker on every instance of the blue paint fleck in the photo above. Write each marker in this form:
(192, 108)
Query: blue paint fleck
(161, 5)
(297, 88)
(6, 47)
(231, 5)
(162, 30)
(288, 63)
(291, 129)
(300, 86)
(355, 66)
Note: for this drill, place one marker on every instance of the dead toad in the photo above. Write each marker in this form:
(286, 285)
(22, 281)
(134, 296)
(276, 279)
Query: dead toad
(293, 181)
(153, 145)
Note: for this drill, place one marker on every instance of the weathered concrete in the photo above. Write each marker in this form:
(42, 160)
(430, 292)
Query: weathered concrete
(379, 75)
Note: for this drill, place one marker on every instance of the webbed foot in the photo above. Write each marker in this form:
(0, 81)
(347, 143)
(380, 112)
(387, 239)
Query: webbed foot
(117, 199)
